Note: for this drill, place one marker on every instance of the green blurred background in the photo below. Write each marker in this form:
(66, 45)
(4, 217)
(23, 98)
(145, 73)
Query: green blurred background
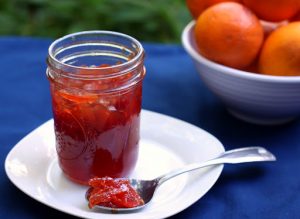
(147, 20)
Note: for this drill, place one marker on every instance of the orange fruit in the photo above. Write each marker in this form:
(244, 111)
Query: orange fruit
(230, 34)
(273, 10)
(196, 7)
(280, 54)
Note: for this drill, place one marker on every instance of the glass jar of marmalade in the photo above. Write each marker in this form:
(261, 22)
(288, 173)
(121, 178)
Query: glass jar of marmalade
(96, 88)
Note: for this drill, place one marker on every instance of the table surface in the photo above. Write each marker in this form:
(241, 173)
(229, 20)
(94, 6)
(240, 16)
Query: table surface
(173, 87)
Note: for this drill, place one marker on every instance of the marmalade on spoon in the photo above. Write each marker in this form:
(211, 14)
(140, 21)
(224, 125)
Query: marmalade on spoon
(113, 193)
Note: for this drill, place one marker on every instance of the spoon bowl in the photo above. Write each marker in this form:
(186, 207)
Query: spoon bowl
(147, 188)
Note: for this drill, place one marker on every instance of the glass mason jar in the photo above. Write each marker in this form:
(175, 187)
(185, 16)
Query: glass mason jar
(96, 88)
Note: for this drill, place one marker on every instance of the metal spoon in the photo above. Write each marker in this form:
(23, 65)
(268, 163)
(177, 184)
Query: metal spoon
(147, 188)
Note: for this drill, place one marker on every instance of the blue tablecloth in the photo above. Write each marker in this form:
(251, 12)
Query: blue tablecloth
(172, 87)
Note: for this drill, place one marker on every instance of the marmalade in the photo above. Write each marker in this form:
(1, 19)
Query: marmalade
(96, 135)
(96, 88)
(113, 193)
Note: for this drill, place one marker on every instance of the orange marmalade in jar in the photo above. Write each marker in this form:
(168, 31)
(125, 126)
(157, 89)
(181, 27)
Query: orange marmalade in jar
(96, 88)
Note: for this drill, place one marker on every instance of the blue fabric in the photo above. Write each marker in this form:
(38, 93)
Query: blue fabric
(172, 87)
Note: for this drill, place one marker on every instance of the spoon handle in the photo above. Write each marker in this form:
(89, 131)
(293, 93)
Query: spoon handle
(241, 155)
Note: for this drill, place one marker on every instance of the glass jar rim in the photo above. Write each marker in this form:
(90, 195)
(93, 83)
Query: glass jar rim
(53, 60)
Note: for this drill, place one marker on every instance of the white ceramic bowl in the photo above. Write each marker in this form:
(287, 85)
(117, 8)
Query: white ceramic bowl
(252, 97)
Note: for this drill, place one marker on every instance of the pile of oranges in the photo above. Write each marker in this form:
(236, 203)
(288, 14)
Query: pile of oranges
(261, 36)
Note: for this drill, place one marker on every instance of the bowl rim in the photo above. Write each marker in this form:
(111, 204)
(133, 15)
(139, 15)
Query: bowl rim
(185, 36)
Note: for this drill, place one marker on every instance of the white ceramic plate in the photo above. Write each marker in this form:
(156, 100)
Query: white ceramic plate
(166, 143)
